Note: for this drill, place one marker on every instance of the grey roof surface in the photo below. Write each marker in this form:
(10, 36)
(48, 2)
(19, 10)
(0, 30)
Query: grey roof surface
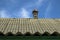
(24, 25)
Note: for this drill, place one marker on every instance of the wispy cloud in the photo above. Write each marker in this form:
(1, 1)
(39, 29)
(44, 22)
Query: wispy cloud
(23, 13)
(39, 2)
(11, 1)
(13, 5)
(3, 14)
(35, 4)
(48, 10)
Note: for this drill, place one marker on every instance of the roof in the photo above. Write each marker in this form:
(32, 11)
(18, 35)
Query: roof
(24, 25)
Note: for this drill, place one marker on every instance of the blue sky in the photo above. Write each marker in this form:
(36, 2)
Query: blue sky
(24, 8)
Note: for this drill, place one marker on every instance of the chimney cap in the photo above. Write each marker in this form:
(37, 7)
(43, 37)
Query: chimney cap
(35, 10)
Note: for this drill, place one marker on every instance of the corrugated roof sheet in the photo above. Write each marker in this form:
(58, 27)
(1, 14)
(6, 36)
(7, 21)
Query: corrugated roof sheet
(24, 25)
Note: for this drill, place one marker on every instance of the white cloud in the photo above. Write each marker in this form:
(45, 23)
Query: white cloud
(3, 14)
(23, 13)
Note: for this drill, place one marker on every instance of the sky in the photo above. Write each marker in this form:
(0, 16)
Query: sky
(24, 8)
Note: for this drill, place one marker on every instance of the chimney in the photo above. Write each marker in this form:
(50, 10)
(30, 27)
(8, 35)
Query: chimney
(35, 13)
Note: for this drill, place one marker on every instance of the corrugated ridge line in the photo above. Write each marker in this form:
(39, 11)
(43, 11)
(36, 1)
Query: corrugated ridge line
(28, 34)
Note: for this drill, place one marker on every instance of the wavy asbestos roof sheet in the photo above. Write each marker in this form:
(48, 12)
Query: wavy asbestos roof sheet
(25, 25)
